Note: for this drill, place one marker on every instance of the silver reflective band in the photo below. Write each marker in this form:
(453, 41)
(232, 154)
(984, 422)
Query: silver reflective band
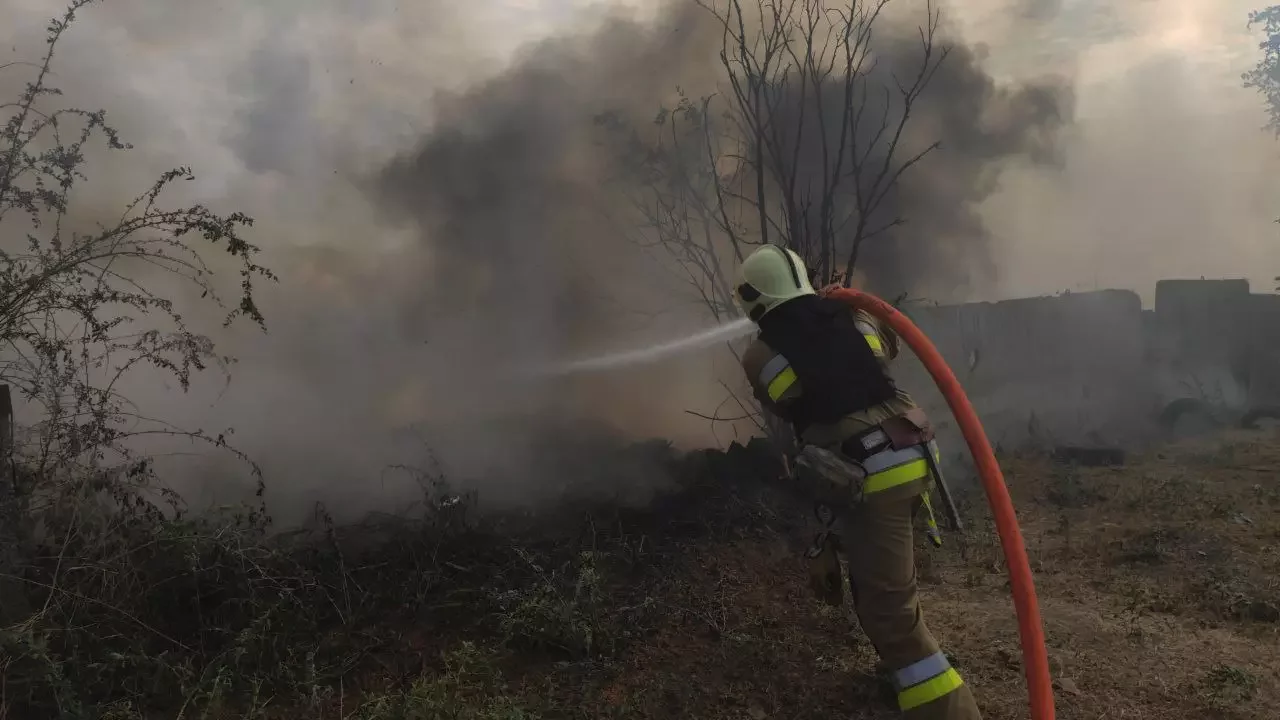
(865, 328)
(772, 368)
(920, 671)
(882, 461)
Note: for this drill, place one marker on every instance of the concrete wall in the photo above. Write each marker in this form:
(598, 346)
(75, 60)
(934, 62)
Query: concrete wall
(1095, 368)
(1041, 371)
(1198, 341)
(1262, 350)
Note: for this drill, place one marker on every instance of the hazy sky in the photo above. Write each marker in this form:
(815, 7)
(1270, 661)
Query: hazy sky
(1168, 174)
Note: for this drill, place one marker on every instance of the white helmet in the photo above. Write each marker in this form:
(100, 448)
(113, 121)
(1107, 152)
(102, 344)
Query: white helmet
(769, 277)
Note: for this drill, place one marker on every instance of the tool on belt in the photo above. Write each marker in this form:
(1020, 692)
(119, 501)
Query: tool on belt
(834, 482)
(826, 577)
(948, 502)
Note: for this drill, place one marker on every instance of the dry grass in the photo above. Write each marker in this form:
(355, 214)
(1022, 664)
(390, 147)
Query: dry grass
(1157, 581)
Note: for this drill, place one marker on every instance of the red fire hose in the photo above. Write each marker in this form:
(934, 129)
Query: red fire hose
(1035, 658)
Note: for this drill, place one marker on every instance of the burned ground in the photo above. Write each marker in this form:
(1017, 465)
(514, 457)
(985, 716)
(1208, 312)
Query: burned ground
(1157, 580)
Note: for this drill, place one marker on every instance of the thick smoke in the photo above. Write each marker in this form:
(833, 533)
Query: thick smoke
(1167, 170)
(943, 247)
(433, 204)
(1038, 10)
(489, 184)
(506, 189)
(512, 194)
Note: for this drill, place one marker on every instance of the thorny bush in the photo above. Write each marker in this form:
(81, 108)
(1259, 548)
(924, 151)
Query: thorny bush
(92, 547)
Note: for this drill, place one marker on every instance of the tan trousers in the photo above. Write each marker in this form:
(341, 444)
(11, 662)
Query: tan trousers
(882, 573)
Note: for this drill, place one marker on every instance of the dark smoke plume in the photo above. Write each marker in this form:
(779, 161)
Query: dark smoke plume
(943, 249)
(508, 178)
(516, 196)
(521, 265)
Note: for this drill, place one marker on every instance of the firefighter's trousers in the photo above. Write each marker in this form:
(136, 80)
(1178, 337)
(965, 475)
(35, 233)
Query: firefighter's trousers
(882, 575)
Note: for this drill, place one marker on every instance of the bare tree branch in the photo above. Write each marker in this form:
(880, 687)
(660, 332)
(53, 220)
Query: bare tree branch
(802, 147)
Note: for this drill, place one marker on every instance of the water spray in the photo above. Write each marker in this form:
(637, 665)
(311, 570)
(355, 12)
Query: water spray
(651, 353)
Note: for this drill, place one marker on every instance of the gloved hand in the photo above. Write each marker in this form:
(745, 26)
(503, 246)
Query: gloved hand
(825, 576)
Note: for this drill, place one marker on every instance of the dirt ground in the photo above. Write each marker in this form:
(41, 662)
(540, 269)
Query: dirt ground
(1158, 581)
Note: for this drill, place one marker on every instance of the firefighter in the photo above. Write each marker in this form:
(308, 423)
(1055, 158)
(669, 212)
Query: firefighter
(822, 368)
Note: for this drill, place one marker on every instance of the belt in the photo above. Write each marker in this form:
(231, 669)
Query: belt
(887, 468)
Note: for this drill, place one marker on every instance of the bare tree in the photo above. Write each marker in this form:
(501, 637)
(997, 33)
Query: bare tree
(684, 201)
(823, 122)
(801, 147)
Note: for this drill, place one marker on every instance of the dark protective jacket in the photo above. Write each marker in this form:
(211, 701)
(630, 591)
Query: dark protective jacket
(819, 346)
(780, 390)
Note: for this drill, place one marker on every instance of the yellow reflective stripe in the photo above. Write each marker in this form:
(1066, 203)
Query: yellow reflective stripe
(893, 477)
(876, 346)
(871, 335)
(777, 377)
(781, 382)
(929, 690)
